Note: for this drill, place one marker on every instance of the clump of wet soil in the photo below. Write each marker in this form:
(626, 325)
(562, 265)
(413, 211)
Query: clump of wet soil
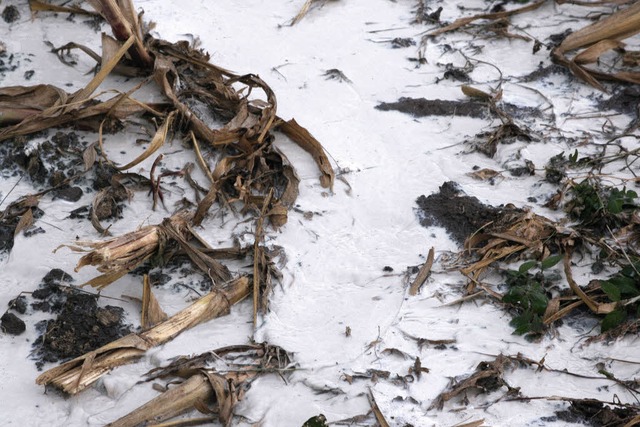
(624, 101)
(594, 414)
(10, 14)
(50, 163)
(12, 324)
(459, 214)
(8, 225)
(80, 325)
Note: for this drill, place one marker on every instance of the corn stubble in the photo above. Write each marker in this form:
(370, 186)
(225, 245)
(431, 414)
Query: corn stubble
(249, 172)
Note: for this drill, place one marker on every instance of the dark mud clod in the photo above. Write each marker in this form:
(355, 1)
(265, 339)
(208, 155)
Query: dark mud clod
(12, 324)
(10, 14)
(19, 304)
(80, 327)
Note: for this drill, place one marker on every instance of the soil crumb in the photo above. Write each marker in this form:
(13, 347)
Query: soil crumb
(10, 14)
(459, 214)
(12, 324)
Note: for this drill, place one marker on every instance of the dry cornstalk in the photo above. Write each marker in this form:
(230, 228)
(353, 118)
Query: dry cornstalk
(77, 374)
(173, 402)
(204, 385)
(117, 256)
(596, 39)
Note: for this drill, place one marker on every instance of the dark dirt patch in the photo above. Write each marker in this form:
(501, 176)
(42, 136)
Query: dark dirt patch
(400, 42)
(544, 72)
(421, 107)
(51, 291)
(556, 39)
(596, 414)
(459, 214)
(10, 14)
(80, 325)
(623, 101)
(8, 224)
(8, 62)
(6, 237)
(19, 304)
(12, 324)
(50, 163)
(70, 194)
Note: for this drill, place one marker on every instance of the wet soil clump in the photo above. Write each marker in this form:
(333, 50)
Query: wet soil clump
(459, 214)
(80, 325)
(10, 14)
(12, 324)
(595, 414)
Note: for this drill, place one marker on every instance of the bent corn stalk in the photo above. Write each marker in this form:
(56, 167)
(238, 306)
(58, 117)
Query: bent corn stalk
(77, 374)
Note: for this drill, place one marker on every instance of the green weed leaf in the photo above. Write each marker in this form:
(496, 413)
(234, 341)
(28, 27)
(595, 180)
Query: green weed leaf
(611, 290)
(612, 320)
(550, 261)
(526, 266)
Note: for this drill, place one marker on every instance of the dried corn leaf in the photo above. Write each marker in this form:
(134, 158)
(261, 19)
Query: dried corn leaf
(306, 141)
(591, 54)
(152, 313)
(39, 6)
(376, 411)
(105, 69)
(158, 141)
(598, 38)
(473, 92)
(484, 174)
(423, 273)
(89, 156)
(26, 221)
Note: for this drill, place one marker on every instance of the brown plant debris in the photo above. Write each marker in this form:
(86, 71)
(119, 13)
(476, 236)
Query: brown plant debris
(214, 383)
(423, 274)
(487, 377)
(118, 256)
(496, 17)
(306, 7)
(591, 412)
(592, 41)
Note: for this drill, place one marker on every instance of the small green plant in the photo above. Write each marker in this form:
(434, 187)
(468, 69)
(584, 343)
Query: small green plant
(597, 207)
(527, 292)
(623, 286)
